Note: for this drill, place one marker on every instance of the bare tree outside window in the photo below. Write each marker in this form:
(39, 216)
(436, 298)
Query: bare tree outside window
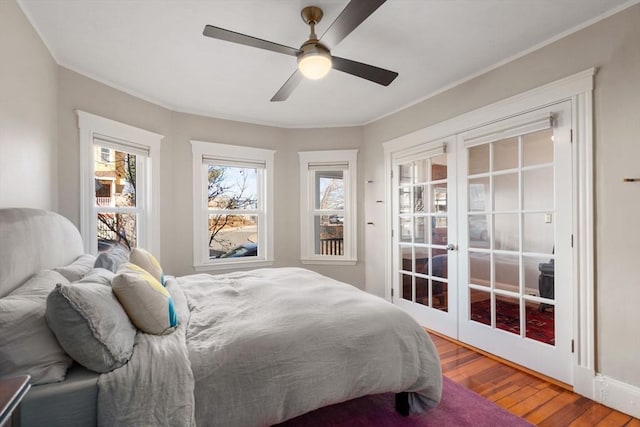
(232, 201)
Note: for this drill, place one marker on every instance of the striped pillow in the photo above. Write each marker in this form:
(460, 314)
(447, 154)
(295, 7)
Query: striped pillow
(143, 258)
(147, 303)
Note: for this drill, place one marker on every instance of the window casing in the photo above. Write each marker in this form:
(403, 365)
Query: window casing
(233, 205)
(119, 186)
(328, 207)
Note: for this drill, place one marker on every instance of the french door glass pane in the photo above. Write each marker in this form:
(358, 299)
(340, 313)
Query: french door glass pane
(421, 264)
(506, 232)
(508, 314)
(422, 290)
(532, 271)
(505, 189)
(480, 268)
(478, 231)
(480, 306)
(231, 187)
(439, 198)
(479, 194)
(507, 272)
(406, 289)
(440, 230)
(538, 188)
(115, 178)
(420, 198)
(406, 174)
(505, 154)
(406, 258)
(405, 229)
(439, 167)
(404, 198)
(233, 236)
(538, 233)
(329, 190)
(421, 232)
(541, 323)
(537, 148)
(478, 159)
(116, 228)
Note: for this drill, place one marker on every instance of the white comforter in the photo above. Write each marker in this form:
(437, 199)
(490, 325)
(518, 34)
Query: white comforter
(267, 345)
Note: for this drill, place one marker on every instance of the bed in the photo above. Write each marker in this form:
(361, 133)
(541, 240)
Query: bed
(250, 348)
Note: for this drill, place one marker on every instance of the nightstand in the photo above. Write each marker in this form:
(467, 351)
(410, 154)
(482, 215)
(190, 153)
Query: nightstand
(12, 390)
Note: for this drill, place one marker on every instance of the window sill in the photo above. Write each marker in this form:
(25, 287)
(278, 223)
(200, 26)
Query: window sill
(320, 261)
(231, 265)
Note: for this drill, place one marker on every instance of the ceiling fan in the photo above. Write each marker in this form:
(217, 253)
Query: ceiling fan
(314, 58)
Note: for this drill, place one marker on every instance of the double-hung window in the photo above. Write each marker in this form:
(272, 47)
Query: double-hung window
(233, 224)
(120, 177)
(328, 207)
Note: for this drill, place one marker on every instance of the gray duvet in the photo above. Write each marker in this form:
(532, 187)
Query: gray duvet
(268, 345)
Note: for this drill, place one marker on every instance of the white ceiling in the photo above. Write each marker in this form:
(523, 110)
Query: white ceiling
(155, 49)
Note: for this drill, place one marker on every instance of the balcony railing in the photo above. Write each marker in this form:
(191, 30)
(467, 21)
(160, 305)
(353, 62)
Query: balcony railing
(333, 246)
(105, 201)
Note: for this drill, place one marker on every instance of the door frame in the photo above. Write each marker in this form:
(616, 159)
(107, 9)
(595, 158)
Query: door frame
(578, 89)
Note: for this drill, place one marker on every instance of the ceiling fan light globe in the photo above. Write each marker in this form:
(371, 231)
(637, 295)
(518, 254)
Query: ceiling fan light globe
(314, 66)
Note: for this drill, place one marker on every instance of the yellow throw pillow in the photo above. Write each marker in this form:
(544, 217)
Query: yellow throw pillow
(143, 258)
(147, 303)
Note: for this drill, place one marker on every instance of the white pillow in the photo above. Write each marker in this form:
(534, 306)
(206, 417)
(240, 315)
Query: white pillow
(27, 345)
(77, 268)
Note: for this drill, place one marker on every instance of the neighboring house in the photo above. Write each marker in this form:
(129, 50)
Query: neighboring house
(39, 162)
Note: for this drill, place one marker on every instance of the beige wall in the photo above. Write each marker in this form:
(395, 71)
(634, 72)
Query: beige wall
(28, 114)
(176, 217)
(612, 46)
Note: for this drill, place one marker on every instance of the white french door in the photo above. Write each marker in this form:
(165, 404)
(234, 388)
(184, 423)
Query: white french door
(516, 237)
(482, 238)
(424, 264)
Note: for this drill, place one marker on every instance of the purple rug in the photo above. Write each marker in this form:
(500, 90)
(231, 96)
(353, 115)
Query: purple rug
(459, 407)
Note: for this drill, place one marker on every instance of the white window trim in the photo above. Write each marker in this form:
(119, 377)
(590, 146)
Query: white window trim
(307, 255)
(92, 126)
(232, 153)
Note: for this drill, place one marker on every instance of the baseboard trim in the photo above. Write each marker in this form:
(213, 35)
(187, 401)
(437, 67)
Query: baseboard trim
(617, 395)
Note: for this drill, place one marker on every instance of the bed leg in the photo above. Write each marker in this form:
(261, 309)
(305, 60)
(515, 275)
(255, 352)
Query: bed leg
(402, 403)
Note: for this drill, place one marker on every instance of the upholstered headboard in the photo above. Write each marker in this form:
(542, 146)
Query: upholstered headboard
(32, 240)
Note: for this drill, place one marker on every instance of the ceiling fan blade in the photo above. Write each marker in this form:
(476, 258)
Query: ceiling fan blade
(352, 16)
(375, 74)
(232, 36)
(288, 87)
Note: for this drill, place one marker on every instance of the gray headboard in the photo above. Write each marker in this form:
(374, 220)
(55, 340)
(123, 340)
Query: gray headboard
(32, 240)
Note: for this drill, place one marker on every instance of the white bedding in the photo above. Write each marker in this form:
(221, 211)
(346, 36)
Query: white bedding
(267, 345)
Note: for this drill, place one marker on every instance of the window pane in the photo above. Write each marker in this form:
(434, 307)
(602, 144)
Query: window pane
(328, 236)
(480, 306)
(404, 199)
(406, 173)
(505, 190)
(439, 167)
(480, 269)
(329, 190)
(537, 185)
(505, 154)
(506, 232)
(115, 178)
(233, 236)
(537, 148)
(232, 187)
(419, 195)
(478, 194)
(439, 198)
(507, 272)
(421, 224)
(479, 159)
(116, 228)
(478, 231)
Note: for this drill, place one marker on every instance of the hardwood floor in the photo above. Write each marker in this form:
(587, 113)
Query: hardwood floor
(538, 401)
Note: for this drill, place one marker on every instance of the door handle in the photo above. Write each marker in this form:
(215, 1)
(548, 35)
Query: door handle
(451, 247)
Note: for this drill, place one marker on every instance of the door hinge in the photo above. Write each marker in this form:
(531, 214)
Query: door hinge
(573, 346)
(392, 233)
(571, 135)
(391, 173)
(572, 240)
(391, 294)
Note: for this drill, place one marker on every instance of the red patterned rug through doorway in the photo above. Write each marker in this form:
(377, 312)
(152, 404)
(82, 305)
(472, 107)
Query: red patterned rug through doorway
(540, 325)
